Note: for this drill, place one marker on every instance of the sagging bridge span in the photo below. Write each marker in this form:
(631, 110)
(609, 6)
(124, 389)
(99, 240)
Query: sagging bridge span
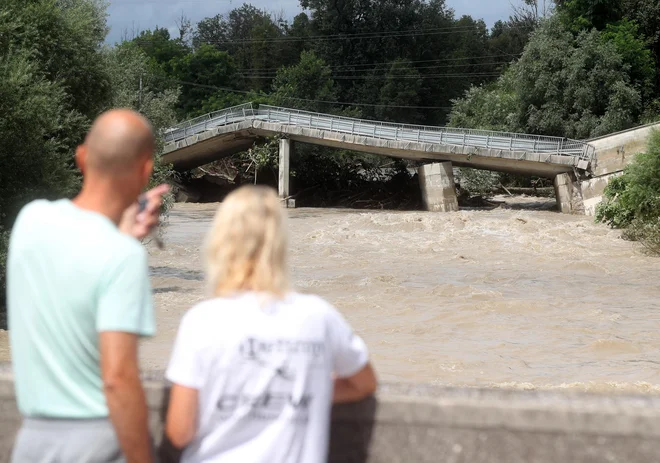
(222, 133)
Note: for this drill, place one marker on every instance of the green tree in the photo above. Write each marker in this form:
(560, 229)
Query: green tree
(585, 14)
(200, 73)
(64, 38)
(158, 46)
(52, 83)
(133, 87)
(577, 86)
(253, 38)
(493, 106)
(307, 85)
(55, 78)
(635, 53)
(401, 88)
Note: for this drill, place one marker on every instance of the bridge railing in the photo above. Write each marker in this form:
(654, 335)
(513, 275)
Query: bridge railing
(429, 134)
(210, 120)
(504, 141)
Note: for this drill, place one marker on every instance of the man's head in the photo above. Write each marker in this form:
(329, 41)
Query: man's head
(118, 152)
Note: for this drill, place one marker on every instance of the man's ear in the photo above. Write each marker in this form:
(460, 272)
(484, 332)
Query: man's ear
(148, 170)
(81, 158)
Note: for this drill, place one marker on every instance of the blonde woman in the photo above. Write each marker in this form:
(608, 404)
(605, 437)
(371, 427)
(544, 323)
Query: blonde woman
(256, 367)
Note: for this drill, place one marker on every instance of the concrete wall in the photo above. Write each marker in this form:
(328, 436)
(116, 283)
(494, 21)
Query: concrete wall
(613, 153)
(425, 424)
(592, 191)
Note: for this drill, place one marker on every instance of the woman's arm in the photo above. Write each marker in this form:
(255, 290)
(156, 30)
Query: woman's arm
(181, 423)
(356, 387)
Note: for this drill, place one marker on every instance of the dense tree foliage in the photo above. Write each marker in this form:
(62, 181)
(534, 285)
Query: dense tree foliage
(56, 77)
(575, 85)
(402, 60)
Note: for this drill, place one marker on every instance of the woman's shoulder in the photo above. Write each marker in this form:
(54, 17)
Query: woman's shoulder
(310, 303)
(214, 307)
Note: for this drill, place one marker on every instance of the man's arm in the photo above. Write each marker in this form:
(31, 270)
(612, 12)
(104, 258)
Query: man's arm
(124, 394)
(357, 387)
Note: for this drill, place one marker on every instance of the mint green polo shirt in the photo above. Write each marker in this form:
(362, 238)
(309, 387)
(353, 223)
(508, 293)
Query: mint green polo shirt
(70, 275)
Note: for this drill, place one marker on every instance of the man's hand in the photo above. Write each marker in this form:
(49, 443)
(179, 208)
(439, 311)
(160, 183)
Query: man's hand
(139, 224)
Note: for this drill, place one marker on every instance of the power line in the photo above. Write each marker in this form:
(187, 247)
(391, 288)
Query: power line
(335, 37)
(372, 34)
(349, 67)
(410, 76)
(272, 74)
(340, 103)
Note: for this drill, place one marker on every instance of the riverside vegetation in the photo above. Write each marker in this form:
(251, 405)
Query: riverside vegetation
(574, 69)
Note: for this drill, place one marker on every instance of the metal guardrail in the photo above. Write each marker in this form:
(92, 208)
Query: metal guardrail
(208, 121)
(388, 131)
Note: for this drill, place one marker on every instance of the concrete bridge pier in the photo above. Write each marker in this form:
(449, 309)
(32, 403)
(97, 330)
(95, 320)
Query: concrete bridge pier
(286, 147)
(568, 192)
(438, 189)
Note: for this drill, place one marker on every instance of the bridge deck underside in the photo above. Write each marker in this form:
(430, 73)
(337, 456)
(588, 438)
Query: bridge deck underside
(226, 140)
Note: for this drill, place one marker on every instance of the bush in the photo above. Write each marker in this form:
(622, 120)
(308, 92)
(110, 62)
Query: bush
(645, 232)
(632, 201)
(478, 182)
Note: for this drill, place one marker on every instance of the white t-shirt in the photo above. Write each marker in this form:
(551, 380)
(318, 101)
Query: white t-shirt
(264, 374)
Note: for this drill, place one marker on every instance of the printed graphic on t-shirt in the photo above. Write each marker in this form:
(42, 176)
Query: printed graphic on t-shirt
(285, 360)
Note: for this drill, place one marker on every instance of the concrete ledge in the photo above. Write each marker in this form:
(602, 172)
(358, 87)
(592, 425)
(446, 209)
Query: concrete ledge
(421, 423)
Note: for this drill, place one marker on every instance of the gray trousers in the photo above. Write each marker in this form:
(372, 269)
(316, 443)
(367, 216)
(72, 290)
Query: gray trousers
(66, 441)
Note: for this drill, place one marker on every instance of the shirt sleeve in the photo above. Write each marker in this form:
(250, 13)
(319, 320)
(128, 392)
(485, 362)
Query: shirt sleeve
(125, 302)
(185, 363)
(350, 353)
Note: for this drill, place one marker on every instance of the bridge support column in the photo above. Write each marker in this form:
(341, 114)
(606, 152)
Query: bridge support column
(438, 189)
(286, 146)
(569, 195)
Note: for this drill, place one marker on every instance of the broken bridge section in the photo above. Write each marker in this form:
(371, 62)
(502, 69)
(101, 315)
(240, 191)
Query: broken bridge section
(223, 133)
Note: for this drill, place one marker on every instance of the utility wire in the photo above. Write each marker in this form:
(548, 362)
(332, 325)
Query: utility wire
(330, 38)
(409, 76)
(355, 36)
(340, 103)
(272, 74)
(380, 68)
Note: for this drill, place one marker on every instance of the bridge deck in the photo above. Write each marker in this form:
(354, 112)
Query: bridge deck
(226, 132)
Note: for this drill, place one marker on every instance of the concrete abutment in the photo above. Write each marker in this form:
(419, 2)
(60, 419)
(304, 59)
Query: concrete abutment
(438, 190)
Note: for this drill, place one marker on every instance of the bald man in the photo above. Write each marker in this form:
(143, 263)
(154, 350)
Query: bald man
(79, 298)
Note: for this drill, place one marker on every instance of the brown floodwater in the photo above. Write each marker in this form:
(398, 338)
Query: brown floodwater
(501, 298)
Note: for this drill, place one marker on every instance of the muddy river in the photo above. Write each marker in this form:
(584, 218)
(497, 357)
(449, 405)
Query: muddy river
(522, 298)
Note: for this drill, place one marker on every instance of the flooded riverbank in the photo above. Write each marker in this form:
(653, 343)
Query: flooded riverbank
(500, 298)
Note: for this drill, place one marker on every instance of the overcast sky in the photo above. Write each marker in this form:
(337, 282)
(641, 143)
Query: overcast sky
(136, 15)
